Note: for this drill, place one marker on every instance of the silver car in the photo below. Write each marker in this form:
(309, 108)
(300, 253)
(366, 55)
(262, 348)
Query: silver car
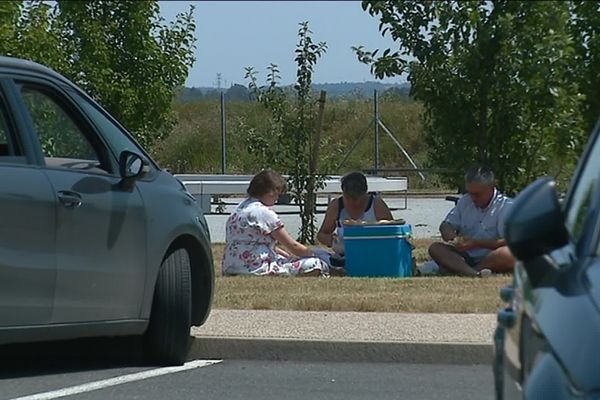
(95, 239)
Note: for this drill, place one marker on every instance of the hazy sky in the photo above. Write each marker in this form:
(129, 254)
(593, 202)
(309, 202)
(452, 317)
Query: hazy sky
(232, 35)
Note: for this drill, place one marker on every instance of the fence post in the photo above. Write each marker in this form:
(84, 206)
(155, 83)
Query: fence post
(223, 136)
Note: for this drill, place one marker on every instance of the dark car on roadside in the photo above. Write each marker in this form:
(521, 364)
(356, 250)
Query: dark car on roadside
(548, 337)
(95, 238)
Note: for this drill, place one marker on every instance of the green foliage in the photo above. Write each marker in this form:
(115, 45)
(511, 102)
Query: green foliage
(585, 29)
(31, 30)
(496, 81)
(195, 144)
(121, 52)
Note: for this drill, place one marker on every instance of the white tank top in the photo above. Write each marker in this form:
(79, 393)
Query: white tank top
(368, 215)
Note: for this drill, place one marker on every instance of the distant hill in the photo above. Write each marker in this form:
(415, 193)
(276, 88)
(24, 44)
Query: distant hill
(352, 90)
(361, 89)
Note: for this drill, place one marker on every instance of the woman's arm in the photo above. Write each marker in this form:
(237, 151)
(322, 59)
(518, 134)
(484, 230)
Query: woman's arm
(282, 252)
(382, 211)
(293, 246)
(328, 226)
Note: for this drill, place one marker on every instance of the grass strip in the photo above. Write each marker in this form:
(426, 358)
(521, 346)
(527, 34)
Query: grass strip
(438, 294)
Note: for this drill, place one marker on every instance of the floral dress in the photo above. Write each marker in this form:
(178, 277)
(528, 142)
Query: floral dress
(250, 248)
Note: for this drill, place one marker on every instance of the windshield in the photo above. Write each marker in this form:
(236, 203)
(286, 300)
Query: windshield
(583, 191)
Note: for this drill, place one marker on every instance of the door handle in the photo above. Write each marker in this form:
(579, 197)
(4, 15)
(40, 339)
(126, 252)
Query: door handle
(69, 199)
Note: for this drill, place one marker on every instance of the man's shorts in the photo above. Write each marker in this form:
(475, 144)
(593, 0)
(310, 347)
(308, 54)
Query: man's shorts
(471, 261)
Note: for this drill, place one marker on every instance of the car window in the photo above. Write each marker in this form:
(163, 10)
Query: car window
(116, 138)
(64, 144)
(583, 192)
(11, 149)
(5, 148)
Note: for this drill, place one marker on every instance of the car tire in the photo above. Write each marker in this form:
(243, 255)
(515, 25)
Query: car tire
(167, 339)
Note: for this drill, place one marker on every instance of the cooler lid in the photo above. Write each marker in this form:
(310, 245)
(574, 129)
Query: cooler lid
(377, 230)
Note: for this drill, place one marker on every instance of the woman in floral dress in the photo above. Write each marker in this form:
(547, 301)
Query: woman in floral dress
(253, 231)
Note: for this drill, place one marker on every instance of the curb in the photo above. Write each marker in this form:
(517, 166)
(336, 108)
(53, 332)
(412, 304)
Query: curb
(205, 347)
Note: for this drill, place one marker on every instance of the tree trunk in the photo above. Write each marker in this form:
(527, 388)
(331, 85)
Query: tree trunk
(311, 195)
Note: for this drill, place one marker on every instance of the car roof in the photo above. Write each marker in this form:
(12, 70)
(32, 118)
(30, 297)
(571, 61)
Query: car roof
(30, 66)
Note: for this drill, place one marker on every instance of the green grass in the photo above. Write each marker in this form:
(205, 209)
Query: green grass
(416, 295)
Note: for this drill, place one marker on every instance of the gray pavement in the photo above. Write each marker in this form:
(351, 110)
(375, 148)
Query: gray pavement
(266, 380)
(251, 380)
(346, 336)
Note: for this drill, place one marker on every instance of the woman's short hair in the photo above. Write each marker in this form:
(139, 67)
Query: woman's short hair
(265, 182)
(354, 184)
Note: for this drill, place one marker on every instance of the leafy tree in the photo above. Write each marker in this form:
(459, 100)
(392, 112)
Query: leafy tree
(120, 52)
(496, 81)
(30, 30)
(585, 29)
(289, 141)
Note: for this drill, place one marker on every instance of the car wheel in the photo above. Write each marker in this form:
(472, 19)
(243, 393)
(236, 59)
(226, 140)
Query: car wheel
(167, 339)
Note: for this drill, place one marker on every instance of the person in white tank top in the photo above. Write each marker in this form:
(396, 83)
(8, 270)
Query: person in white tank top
(356, 203)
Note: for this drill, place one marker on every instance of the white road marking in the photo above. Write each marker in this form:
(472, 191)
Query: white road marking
(119, 380)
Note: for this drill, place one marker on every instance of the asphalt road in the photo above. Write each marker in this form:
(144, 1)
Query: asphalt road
(113, 378)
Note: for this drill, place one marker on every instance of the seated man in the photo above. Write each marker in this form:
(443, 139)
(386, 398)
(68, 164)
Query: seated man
(474, 230)
(354, 204)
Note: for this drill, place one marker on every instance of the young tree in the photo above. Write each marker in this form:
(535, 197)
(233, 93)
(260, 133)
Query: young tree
(289, 142)
(495, 79)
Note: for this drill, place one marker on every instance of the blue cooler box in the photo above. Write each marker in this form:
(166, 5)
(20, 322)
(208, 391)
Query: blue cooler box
(378, 250)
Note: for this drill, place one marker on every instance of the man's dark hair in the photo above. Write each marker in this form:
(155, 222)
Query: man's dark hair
(482, 174)
(354, 184)
(265, 182)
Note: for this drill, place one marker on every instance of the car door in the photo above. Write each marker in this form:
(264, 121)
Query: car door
(27, 225)
(100, 233)
(558, 301)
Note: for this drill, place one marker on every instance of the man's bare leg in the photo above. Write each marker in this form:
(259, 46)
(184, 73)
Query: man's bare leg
(446, 256)
(500, 260)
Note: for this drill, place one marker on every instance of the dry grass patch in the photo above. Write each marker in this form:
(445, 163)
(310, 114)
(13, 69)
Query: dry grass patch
(427, 295)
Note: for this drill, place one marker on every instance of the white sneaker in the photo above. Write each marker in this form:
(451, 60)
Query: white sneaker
(484, 273)
(429, 268)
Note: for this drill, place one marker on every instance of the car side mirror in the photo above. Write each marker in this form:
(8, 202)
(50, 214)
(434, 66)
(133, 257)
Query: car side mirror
(132, 165)
(535, 224)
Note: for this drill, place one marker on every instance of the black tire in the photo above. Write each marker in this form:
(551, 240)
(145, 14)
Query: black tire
(167, 339)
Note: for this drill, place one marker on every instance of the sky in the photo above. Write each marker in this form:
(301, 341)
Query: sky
(232, 35)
